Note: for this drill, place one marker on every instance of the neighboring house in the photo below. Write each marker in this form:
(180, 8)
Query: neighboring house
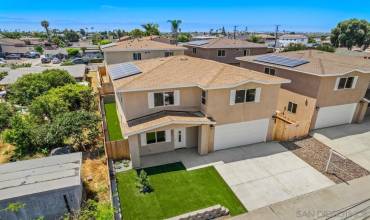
(77, 71)
(203, 37)
(169, 103)
(46, 188)
(287, 39)
(224, 50)
(267, 39)
(138, 49)
(13, 46)
(338, 83)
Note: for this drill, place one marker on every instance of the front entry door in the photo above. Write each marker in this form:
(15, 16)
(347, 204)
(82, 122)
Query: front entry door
(180, 137)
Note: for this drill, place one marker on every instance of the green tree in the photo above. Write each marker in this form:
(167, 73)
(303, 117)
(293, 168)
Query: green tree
(82, 32)
(350, 33)
(104, 42)
(96, 38)
(30, 86)
(183, 37)
(143, 182)
(3, 74)
(72, 52)
(45, 24)
(311, 40)
(254, 38)
(223, 32)
(326, 47)
(6, 113)
(71, 35)
(175, 25)
(39, 49)
(295, 47)
(80, 127)
(58, 40)
(71, 97)
(151, 29)
(136, 33)
(96, 210)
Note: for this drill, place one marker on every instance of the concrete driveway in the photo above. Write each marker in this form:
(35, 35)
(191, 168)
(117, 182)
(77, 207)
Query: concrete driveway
(259, 174)
(270, 178)
(352, 140)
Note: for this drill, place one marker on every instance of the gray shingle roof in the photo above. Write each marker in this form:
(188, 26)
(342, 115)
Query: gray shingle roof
(40, 175)
(77, 71)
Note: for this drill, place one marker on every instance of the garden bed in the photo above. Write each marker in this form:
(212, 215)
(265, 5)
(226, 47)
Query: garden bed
(175, 191)
(317, 154)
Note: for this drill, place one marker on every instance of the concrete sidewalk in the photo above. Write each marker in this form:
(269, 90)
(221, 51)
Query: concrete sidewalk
(320, 204)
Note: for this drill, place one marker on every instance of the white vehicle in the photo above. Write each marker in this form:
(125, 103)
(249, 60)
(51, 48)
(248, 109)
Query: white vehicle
(2, 61)
(55, 60)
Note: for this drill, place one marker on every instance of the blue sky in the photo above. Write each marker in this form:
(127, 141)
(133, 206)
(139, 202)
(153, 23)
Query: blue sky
(201, 15)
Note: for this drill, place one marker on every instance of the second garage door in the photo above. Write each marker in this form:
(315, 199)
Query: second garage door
(238, 134)
(335, 115)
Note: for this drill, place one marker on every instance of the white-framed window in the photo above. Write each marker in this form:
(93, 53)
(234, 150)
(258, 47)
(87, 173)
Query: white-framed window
(270, 71)
(194, 50)
(248, 95)
(164, 99)
(168, 54)
(292, 107)
(204, 97)
(221, 53)
(155, 137)
(346, 83)
(247, 52)
(136, 56)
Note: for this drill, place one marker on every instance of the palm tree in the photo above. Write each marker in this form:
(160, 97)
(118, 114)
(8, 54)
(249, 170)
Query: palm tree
(45, 24)
(175, 25)
(151, 29)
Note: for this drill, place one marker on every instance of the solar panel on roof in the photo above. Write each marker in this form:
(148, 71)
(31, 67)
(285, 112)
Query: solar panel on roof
(198, 42)
(281, 60)
(123, 70)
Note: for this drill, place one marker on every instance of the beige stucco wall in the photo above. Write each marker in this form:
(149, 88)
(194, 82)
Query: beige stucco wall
(113, 57)
(230, 54)
(319, 87)
(135, 104)
(219, 108)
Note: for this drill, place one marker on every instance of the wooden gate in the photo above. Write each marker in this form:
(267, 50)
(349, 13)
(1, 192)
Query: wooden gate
(285, 130)
(117, 150)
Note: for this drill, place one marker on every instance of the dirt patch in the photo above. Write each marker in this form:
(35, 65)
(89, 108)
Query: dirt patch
(95, 179)
(6, 152)
(317, 154)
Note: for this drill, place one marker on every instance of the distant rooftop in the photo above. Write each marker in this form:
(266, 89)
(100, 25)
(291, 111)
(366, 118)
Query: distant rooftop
(292, 36)
(140, 44)
(319, 62)
(224, 43)
(39, 175)
(77, 71)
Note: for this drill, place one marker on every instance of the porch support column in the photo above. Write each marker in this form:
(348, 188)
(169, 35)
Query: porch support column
(133, 142)
(203, 139)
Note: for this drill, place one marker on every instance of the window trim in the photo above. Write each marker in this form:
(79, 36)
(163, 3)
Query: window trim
(156, 137)
(245, 95)
(138, 54)
(222, 54)
(352, 86)
(292, 107)
(164, 98)
(194, 50)
(270, 71)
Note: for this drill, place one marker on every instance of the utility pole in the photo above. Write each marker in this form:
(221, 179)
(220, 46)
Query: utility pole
(276, 35)
(235, 31)
(246, 30)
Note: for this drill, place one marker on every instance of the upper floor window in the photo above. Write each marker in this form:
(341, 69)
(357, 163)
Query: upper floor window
(168, 53)
(221, 53)
(292, 107)
(270, 71)
(194, 50)
(136, 56)
(248, 95)
(346, 82)
(203, 97)
(163, 98)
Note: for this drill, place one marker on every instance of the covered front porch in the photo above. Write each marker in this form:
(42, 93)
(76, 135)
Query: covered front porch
(168, 131)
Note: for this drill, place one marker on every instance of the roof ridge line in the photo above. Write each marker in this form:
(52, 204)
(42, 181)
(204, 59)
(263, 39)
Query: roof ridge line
(215, 76)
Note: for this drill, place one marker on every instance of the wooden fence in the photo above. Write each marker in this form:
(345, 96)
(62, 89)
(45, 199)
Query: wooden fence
(117, 150)
(285, 130)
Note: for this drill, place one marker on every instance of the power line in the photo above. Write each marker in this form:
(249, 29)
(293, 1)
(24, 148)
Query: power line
(235, 31)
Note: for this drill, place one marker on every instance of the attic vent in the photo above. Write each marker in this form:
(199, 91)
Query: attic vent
(122, 70)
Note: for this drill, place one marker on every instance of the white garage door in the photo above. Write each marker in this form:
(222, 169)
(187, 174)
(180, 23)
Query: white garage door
(238, 134)
(335, 115)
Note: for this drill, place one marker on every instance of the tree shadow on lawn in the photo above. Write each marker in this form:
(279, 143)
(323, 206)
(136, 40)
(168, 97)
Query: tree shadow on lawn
(178, 166)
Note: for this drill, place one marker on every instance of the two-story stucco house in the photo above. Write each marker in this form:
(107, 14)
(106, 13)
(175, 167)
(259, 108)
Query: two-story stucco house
(287, 39)
(139, 49)
(180, 101)
(338, 83)
(224, 50)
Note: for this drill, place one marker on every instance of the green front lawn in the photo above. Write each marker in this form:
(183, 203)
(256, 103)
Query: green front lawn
(176, 191)
(114, 129)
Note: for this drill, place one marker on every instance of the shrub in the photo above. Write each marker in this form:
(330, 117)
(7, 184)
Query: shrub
(67, 63)
(3, 74)
(295, 47)
(143, 182)
(39, 49)
(326, 47)
(105, 41)
(72, 52)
